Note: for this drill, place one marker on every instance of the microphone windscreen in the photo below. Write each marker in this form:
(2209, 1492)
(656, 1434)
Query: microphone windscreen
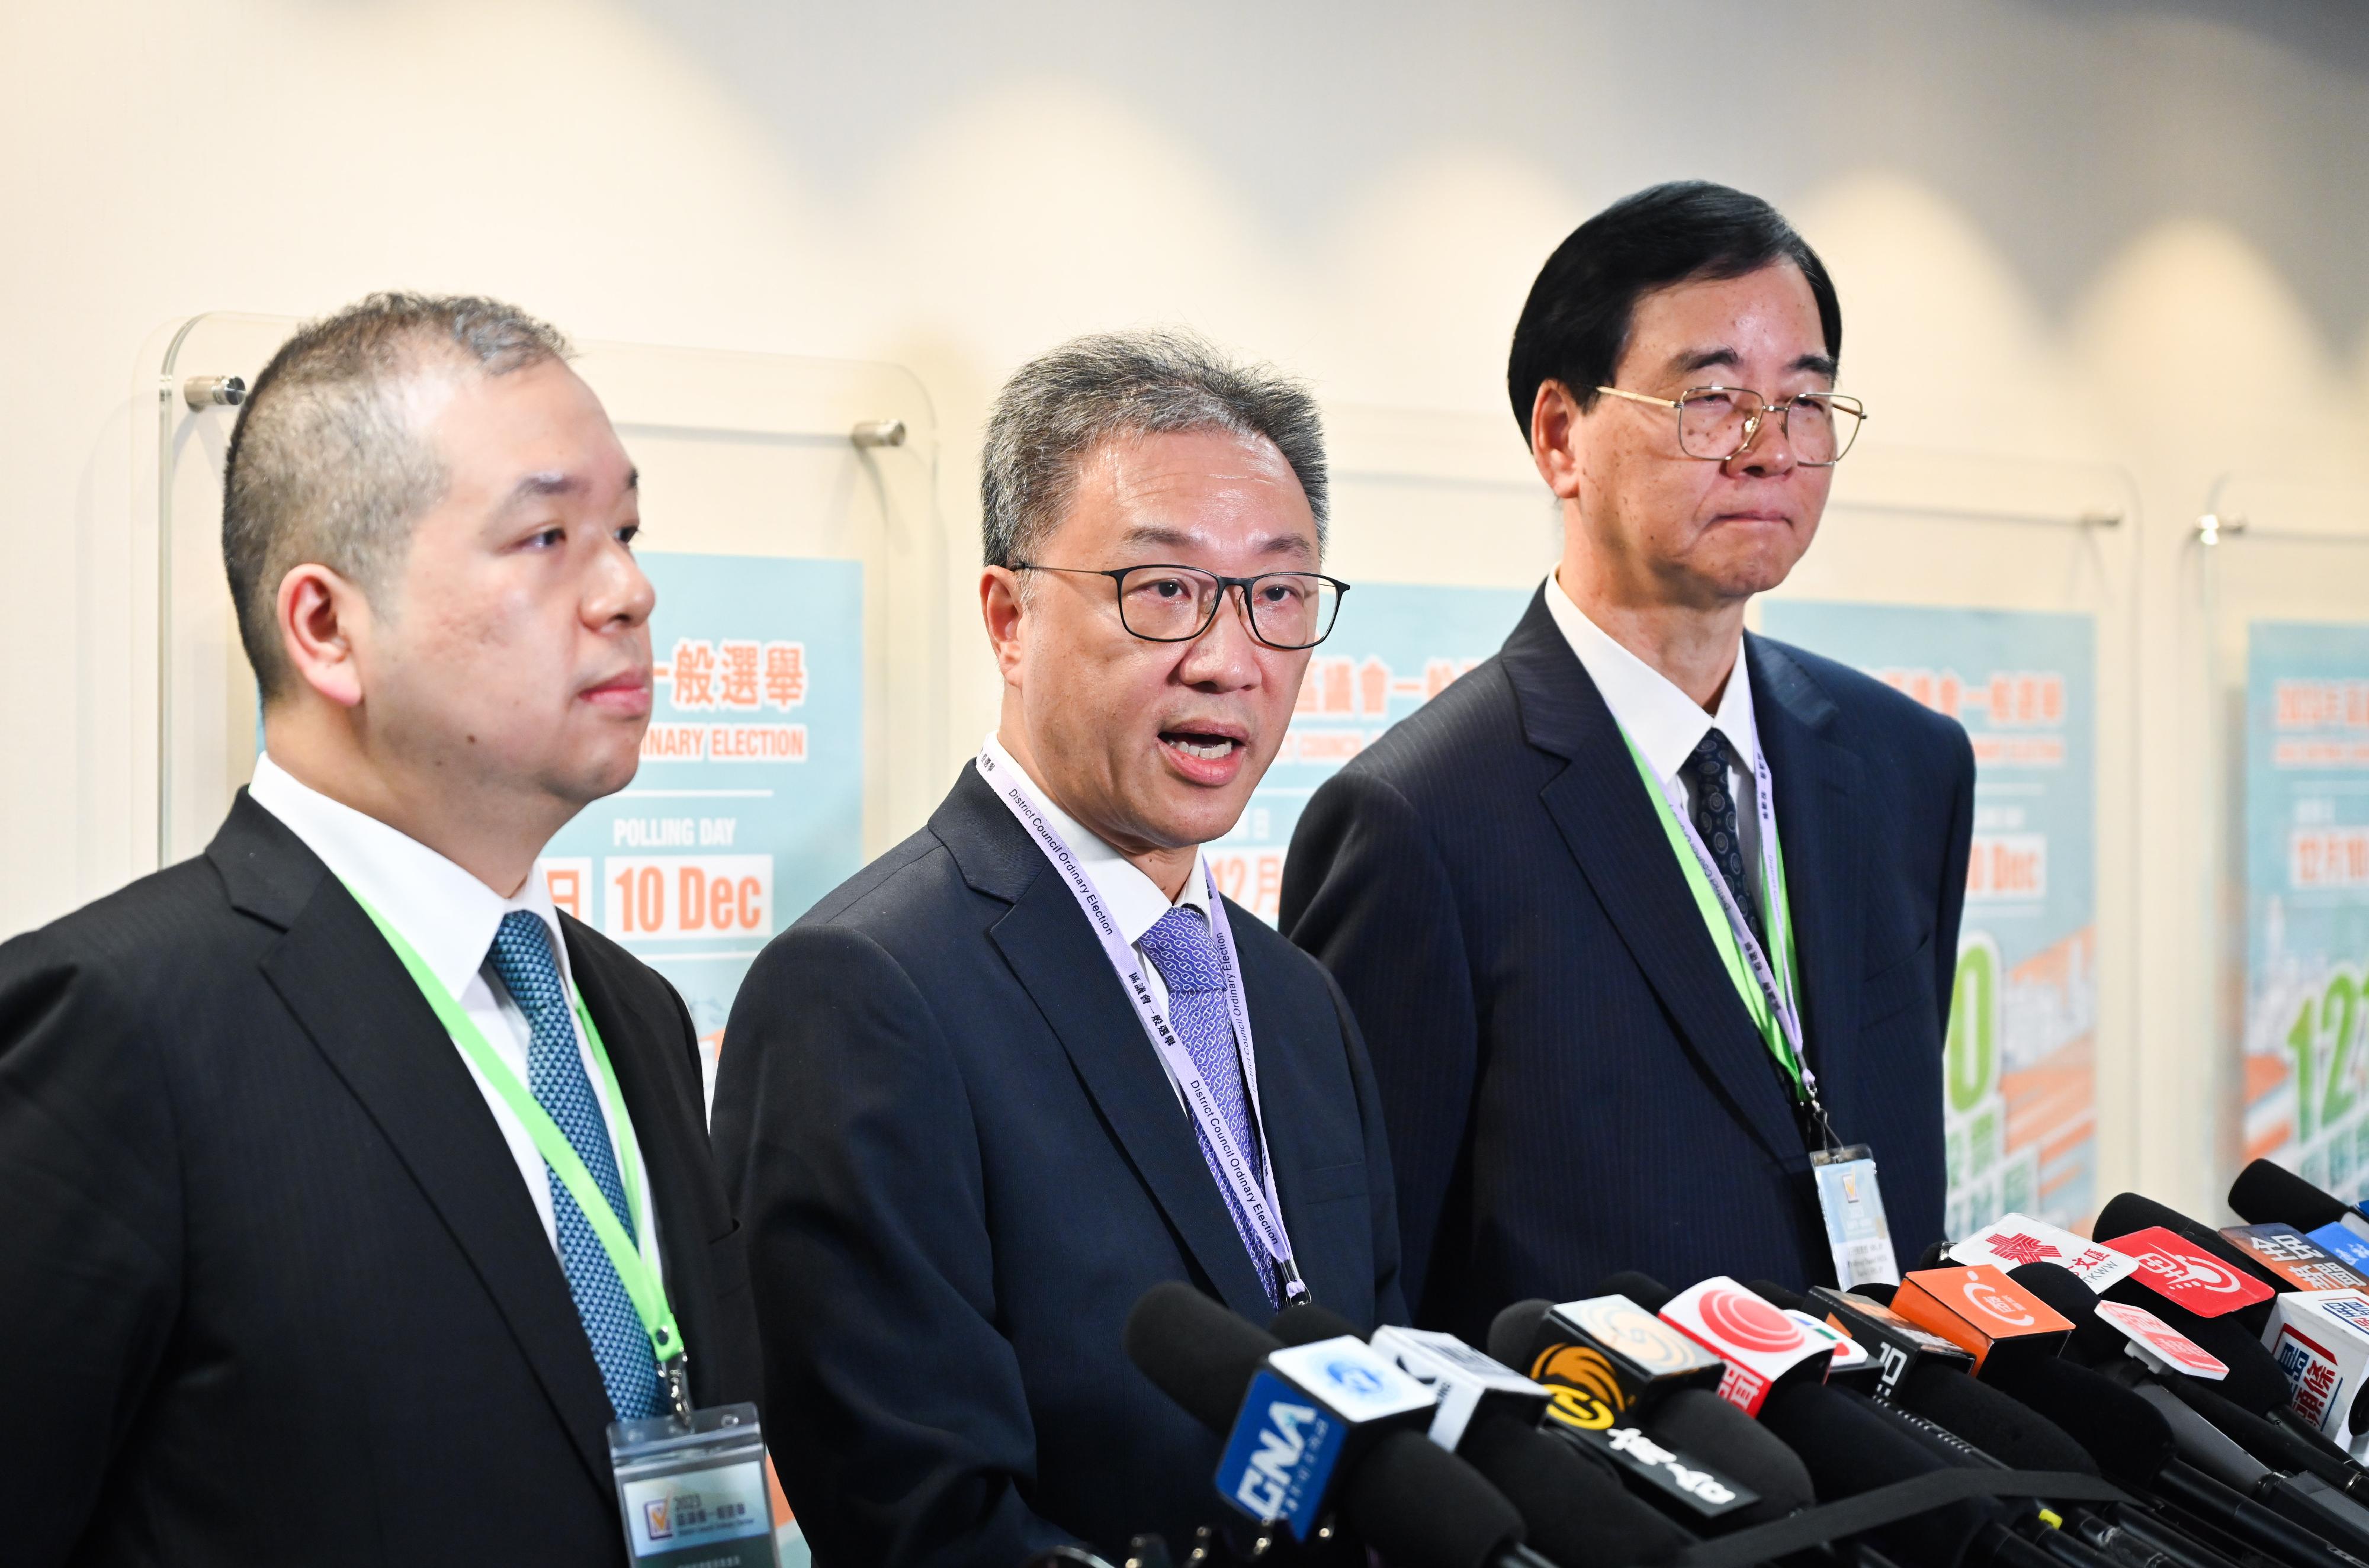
(2059, 1289)
(1305, 1323)
(1643, 1288)
(1704, 1426)
(2267, 1192)
(1936, 1255)
(1783, 1298)
(1850, 1448)
(2254, 1381)
(1579, 1514)
(1875, 1291)
(1195, 1351)
(2126, 1436)
(1415, 1504)
(2008, 1431)
(1514, 1331)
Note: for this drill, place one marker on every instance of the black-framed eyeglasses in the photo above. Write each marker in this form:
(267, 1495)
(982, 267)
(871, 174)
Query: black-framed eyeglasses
(1716, 423)
(1174, 604)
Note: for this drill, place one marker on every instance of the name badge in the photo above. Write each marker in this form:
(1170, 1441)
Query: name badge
(693, 1492)
(1856, 1231)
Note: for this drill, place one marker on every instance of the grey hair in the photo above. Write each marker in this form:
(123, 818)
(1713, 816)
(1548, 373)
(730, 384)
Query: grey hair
(325, 462)
(1059, 408)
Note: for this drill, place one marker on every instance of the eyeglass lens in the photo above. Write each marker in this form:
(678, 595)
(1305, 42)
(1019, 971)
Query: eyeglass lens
(1711, 424)
(1171, 603)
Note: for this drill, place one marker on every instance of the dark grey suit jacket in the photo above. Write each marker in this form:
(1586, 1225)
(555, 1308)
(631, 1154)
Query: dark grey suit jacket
(1571, 1084)
(272, 1289)
(960, 1164)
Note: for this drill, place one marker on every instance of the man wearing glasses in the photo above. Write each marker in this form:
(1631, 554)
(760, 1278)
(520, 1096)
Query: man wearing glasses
(1648, 919)
(1030, 1063)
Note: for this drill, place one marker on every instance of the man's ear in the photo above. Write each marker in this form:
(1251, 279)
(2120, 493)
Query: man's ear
(1001, 606)
(1555, 417)
(320, 614)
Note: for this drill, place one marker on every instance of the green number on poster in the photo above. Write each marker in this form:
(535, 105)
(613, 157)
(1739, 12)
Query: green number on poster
(2300, 1044)
(2343, 992)
(1973, 1026)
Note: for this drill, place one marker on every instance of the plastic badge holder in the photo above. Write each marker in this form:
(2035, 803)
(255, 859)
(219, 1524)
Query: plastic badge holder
(694, 1492)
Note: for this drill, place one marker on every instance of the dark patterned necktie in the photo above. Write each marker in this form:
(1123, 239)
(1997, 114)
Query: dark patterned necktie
(555, 1077)
(1714, 816)
(1185, 950)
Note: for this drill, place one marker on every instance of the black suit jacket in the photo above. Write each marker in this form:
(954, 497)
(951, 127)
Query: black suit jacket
(273, 1291)
(1573, 1085)
(960, 1164)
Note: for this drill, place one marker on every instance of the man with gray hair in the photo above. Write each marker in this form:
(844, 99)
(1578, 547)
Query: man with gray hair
(1031, 1062)
(348, 1191)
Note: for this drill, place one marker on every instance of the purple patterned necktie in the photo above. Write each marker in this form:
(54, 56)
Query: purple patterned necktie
(1714, 812)
(1185, 950)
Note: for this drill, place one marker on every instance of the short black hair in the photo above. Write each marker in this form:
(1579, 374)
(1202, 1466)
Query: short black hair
(1576, 322)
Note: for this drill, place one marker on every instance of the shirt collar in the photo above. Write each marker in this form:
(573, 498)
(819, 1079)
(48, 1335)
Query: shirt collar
(1665, 723)
(1134, 900)
(447, 915)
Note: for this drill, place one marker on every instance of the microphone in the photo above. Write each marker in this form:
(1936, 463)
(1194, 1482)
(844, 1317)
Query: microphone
(1599, 1356)
(2268, 1192)
(2187, 1263)
(2290, 1260)
(2319, 1341)
(2106, 1332)
(1850, 1366)
(1764, 1349)
(1979, 1309)
(1290, 1456)
(1897, 1345)
(1575, 1511)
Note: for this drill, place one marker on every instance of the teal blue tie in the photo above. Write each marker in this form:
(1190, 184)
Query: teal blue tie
(555, 1076)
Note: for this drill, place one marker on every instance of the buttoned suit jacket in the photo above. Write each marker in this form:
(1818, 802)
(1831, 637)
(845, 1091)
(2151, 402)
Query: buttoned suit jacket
(961, 1163)
(273, 1288)
(1572, 1084)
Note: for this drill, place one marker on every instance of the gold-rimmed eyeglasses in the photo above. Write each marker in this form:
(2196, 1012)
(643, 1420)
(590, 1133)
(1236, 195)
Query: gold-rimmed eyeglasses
(1716, 423)
(1176, 605)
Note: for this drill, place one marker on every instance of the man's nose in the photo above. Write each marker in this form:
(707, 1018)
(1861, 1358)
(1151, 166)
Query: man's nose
(1769, 451)
(622, 593)
(1226, 654)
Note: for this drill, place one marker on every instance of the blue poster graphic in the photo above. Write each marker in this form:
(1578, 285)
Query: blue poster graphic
(2306, 837)
(1395, 647)
(2020, 1080)
(750, 802)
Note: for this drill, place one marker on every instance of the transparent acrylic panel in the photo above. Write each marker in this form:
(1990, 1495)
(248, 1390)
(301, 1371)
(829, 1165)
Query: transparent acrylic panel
(800, 724)
(2276, 617)
(2003, 591)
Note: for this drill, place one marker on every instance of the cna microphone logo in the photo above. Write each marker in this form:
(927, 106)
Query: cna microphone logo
(2187, 1277)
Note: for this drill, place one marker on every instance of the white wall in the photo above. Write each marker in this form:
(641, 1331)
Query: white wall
(2112, 233)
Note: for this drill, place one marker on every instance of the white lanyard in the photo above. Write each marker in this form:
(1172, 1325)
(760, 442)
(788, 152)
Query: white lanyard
(1254, 1195)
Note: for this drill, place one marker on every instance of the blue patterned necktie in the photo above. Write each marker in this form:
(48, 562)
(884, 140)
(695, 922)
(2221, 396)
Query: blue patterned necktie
(1714, 815)
(555, 1076)
(1185, 950)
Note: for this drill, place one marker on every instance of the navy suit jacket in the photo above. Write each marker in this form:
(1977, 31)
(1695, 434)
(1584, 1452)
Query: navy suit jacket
(960, 1164)
(275, 1290)
(1572, 1084)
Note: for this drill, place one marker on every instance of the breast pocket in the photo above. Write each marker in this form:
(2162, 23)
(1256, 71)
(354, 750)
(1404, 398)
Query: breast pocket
(1897, 988)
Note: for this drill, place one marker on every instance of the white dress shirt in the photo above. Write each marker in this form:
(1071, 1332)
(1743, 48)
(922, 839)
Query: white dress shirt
(450, 918)
(1666, 723)
(1134, 901)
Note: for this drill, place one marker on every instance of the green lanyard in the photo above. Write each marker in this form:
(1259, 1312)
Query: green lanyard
(1779, 922)
(642, 1283)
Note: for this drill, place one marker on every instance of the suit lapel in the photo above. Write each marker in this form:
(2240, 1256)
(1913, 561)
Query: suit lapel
(1816, 786)
(672, 1139)
(350, 993)
(1051, 948)
(1612, 828)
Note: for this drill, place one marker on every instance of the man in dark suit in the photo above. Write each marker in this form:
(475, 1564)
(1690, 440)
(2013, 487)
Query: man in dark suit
(1612, 1022)
(289, 1280)
(954, 1107)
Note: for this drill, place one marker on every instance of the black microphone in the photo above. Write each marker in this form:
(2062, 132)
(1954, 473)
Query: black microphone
(2266, 1193)
(1576, 1510)
(1404, 1496)
(2254, 1381)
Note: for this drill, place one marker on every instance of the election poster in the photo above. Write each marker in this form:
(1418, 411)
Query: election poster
(1395, 647)
(2020, 1078)
(2307, 859)
(750, 802)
